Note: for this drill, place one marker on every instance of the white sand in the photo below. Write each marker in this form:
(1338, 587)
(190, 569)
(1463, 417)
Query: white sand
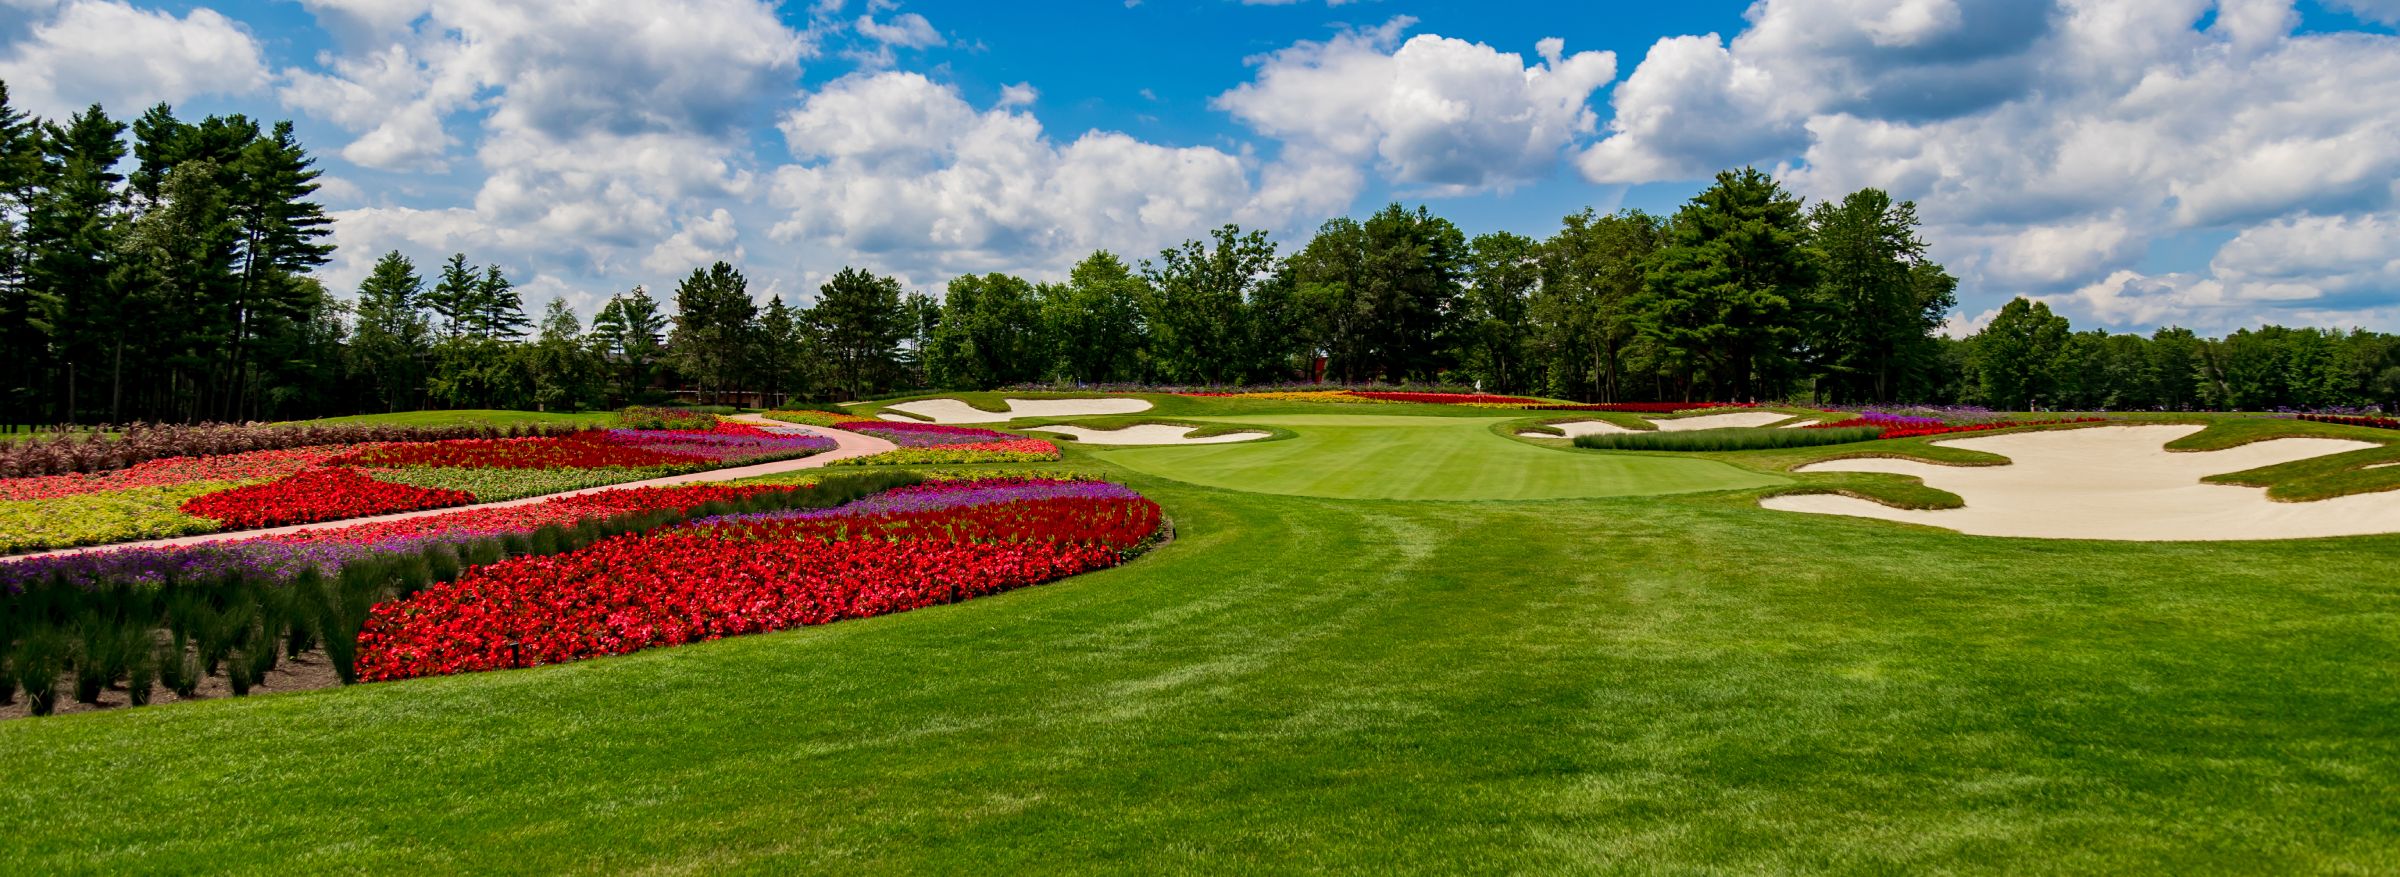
(2117, 482)
(1579, 428)
(954, 411)
(1680, 424)
(1148, 434)
(2382, 466)
(1720, 421)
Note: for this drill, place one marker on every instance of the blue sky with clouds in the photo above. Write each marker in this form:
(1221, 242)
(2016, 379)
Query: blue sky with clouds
(2134, 162)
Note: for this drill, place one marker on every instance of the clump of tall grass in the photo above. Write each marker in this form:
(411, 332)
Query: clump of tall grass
(1734, 439)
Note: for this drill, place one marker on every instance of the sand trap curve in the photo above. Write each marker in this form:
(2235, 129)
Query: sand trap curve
(2117, 482)
(1148, 434)
(954, 411)
(1574, 429)
(1720, 421)
(1578, 428)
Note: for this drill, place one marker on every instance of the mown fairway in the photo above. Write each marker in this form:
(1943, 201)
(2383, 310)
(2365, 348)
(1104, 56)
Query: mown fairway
(1423, 458)
(1644, 684)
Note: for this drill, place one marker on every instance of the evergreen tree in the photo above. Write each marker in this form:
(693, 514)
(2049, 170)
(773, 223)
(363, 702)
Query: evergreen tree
(786, 355)
(391, 342)
(456, 299)
(1719, 294)
(560, 368)
(72, 231)
(499, 309)
(714, 329)
(629, 332)
(859, 320)
(20, 176)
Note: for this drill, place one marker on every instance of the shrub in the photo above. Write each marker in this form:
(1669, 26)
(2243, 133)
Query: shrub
(1726, 439)
(667, 418)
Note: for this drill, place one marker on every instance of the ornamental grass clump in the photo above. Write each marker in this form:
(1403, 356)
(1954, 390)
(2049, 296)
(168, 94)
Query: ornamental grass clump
(1727, 439)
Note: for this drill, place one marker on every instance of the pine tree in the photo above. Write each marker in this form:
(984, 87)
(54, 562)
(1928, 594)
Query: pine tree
(456, 298)
(784, 352)
(499, 308)
(562, 369)
(391, 342)
(20, 173)
(629, 331)
(72, 230)
(859, 321)
(1719, 295)
(283, 234)
(714, 324)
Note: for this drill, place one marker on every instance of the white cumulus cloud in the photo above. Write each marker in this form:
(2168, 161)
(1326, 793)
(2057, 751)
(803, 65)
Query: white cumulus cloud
(1453, 115)
(124, 58)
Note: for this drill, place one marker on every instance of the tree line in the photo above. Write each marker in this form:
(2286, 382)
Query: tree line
(163, 270)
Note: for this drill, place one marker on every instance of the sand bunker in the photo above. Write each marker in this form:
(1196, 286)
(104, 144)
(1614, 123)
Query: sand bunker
(2117, 482)
(954, 411)
(1578, 428)
(1148, 434)
(1721, 421)
(1682, 424)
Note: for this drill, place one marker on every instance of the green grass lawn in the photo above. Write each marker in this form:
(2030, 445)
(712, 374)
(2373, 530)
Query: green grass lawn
(1659, 684)
(1373, 456)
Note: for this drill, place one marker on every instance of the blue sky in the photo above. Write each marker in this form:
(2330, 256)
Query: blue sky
(2134, 162)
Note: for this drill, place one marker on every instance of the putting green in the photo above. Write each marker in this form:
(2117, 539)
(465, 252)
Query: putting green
(1382, 457)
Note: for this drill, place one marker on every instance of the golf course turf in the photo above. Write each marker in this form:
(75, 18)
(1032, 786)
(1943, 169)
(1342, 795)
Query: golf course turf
(1305, 680)
(1424, 458)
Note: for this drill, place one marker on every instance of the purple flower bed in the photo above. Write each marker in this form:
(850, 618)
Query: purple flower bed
(152, 566)
(1899, 421)
(721, 446)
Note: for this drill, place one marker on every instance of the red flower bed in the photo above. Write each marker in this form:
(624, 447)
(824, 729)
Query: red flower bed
(316, 495)
(635, 592)
(585, 450)
(2373, 422)
(745, 575)
(1922, 431)
(526, 518)
(1108, 523)
(1445, 398)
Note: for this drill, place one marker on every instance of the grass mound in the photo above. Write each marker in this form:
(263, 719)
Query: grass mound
(1727, 439)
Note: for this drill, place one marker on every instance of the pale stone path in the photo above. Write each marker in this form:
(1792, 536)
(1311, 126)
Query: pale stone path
(846, 445)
